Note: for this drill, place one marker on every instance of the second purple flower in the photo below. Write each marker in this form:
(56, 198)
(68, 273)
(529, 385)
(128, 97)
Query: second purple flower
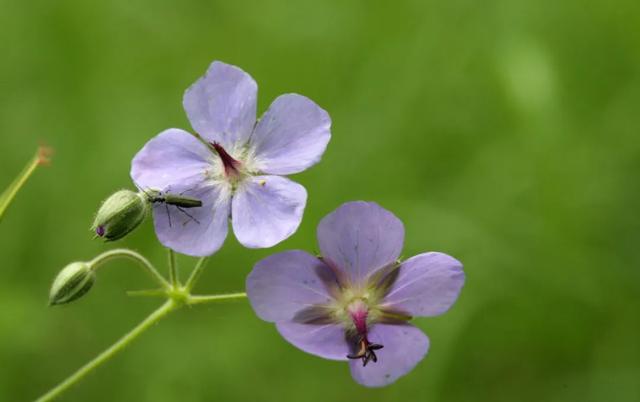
(354, 302)
(236, 166)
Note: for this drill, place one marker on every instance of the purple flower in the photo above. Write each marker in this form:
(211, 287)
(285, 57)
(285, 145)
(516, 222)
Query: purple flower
(235, 167)
(354, 302)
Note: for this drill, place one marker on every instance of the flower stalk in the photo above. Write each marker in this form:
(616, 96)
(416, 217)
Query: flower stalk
(105, 257)
(173, 269)
(195, 274)
(203, 299)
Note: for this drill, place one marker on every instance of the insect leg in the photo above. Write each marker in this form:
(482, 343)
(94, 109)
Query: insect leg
(168, 214)
(189, 215)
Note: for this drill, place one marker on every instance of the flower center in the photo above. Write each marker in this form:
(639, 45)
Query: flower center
(231, 166)
(364, 349)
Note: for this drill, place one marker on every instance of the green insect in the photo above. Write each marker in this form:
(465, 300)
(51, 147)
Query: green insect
(181, 202)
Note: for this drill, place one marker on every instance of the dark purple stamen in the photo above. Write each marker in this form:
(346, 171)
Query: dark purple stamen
(366, 351)
(100, 231)
(231, 166)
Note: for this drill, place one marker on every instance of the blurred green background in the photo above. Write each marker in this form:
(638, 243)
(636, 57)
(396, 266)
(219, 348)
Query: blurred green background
(502, 132)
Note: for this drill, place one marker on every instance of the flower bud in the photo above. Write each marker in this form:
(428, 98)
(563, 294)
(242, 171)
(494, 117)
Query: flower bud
(119, 214)
(71, 283)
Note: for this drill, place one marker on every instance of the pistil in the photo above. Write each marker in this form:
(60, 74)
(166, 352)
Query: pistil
(365, 350)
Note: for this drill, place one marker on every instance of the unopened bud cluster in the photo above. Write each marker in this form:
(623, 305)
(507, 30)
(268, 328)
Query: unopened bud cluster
(119, 214)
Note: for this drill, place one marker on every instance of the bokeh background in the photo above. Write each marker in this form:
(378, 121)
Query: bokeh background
(502, 132)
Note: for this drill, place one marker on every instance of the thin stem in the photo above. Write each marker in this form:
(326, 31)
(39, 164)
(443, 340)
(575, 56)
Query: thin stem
(9, 194)
(131, 255)
(103, 357)
(147, 293)
(201, 299)
(173, 269)
(195, 274)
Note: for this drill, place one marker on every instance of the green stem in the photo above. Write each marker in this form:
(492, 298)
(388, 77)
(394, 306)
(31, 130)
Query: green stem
(201, 299)
(9, 194)
(131, 255)
(147, 293)
(173, 269)
(195, 274)
(103, 357)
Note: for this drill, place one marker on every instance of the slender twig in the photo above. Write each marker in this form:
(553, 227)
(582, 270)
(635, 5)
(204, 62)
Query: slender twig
(195, 274)
(173, 269)
(40, 158)
(147, 293)
(110, 352)
(131, 255)
(201, 299)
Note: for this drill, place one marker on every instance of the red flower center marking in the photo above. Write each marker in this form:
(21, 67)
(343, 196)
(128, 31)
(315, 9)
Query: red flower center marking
(231, 166)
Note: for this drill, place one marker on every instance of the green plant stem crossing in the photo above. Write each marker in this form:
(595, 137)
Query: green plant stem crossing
(169, 306)
(177, 296)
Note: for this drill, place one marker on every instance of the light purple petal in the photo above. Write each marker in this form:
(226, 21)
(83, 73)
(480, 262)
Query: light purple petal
(284, 284)
(173, 157)
(327, 341)
(222, 105)
(291, 136)
(359, 238)
(426, 285)
(198, 231)
(267, 210)
(404, 346)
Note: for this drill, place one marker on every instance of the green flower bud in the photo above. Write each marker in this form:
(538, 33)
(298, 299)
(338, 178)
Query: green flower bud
(119, 214)
(71, 283)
